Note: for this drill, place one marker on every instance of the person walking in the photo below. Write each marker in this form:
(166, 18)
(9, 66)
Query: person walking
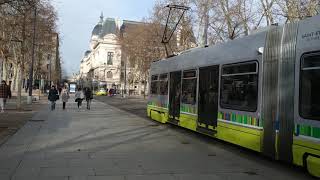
(4, 94)
(64, 97)
(60, 90)
(53, 97)
(79, 98)
(89, 97)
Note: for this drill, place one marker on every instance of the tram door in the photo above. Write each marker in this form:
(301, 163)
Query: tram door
(208, 99)
(174, 96)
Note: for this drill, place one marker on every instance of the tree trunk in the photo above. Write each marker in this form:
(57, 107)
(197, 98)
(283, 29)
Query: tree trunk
(21, 73)
(1, 69)
(144, 86)
(19, 107)
(14, 84)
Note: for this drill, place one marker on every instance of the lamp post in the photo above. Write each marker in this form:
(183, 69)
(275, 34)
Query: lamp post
(49, 66)
(29, 99)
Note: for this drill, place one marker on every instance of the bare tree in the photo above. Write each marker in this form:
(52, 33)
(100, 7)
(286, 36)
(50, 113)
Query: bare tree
(16, 34)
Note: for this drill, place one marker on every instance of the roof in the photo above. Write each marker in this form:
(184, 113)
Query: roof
(87, 53)
(130, 24)
(108, 27)
(242, 49)
(96, 30)
(104, 27)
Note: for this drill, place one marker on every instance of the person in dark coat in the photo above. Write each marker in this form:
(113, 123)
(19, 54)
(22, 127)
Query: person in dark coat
(53, 97)
(4, 94)
(79, 96)
(89, 96)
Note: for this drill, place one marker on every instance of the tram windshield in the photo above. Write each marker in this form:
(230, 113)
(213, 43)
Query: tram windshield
(310, 87)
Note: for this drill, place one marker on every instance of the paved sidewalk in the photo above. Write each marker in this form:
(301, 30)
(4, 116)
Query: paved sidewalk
(106, 143)
(12, 119)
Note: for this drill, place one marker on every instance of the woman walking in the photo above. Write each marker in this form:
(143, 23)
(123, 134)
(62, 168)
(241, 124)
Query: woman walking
(79, 98)
(65, 97)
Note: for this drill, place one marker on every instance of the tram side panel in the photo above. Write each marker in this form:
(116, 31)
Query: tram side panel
(239, 109)
(306, 138)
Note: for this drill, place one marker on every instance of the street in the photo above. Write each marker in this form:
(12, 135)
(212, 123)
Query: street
(111, 143)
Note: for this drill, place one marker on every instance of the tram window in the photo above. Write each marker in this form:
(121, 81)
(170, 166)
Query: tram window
(239, 86)
(309, 103)
(163, 84)
(154, 84)
(189, 87)
(250, 67)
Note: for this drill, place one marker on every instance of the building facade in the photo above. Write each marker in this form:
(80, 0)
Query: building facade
(103, 65)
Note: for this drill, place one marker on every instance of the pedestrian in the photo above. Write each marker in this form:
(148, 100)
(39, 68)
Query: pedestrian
(79, 98)
(64, 97)
(60, 90)
(53, 97)
(4, 94)
(89, 97)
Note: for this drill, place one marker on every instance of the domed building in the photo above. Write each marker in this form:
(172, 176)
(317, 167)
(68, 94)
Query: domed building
(101, 65)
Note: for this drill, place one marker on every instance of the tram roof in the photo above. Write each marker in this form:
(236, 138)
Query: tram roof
(238, 50)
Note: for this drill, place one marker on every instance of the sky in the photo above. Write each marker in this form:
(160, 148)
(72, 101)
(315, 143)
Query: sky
(77, 18)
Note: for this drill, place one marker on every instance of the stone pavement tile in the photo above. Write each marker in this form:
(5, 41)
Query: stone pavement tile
(20, 172)
(12, 150)
(67, 155)
(54, 178)
(70, 171)
(149, 177)
(107, 155)
(246, 176)
(199, 177)
(115, 171)
(106, 178)
(9, 162)
(39, 178)
(78, 178)
(5, 171)
(91, 163)
(4, 176)
(59, 162)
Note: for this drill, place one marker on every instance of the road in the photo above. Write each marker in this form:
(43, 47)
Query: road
(114, 142)
(132, 104)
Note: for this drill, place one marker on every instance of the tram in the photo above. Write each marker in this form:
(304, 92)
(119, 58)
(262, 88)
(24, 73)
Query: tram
(261, 92)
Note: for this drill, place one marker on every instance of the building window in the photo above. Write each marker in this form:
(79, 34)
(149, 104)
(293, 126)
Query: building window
(163, 84)
(109, 74)
(239, 86)
(154, 84)
(110, 58)
(309, 98)
(189, 87)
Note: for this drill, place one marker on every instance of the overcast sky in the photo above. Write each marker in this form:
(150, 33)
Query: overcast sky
(77, 19)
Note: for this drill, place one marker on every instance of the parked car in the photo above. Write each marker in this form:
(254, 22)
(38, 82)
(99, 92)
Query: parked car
(101, 92)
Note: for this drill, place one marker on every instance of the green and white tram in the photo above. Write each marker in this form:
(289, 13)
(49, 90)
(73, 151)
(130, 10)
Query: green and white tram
(261, 92)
